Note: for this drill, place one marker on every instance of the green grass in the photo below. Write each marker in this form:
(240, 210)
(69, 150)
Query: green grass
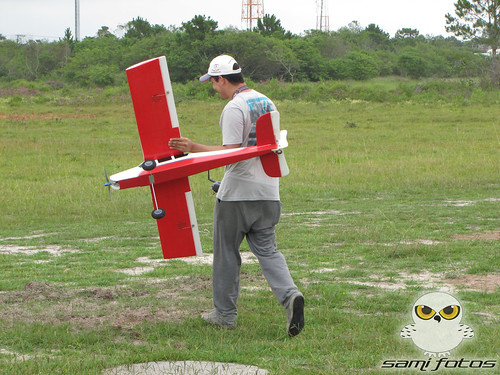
(378, 194)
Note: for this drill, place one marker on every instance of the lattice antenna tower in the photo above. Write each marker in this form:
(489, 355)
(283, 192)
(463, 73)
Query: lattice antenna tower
(77, 20)
(251, 11)
(322, 18)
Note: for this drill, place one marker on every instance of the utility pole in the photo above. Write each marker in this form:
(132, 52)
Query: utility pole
(77, 20)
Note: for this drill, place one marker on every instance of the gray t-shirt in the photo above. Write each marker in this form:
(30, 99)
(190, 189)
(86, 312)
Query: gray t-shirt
(246, 180)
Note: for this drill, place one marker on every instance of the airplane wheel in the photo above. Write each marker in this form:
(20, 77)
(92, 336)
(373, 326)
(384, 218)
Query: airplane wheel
(216, 186)
(158, 213)
(149, 165)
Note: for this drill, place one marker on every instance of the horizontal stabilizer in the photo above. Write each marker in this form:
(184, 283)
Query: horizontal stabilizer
(268, 132)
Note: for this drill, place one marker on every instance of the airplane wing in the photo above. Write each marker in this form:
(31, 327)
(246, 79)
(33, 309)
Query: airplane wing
(157, 122)
(178, 229)
(154, 107)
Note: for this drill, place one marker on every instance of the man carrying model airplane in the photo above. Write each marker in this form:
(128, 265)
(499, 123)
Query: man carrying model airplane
(248, 203)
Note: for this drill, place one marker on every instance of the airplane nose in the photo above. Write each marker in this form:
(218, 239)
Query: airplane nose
(437, 318)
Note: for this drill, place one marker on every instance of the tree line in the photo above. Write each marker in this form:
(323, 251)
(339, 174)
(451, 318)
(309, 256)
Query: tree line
(267, 52)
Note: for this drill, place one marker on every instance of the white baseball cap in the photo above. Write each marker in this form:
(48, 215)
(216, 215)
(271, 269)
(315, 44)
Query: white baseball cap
(221, 66)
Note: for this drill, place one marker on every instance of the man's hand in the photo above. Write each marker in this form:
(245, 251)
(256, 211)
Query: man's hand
(186, 145)
(181, 144)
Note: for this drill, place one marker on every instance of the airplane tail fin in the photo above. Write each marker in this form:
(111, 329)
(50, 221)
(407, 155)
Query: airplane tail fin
(268, 132)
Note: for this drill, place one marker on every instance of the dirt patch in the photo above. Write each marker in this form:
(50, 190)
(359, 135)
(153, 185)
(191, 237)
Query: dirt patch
(136, 271)
(54, 250)
(319, 213)
(487, 235)
(479, 283)
(120, 307)
(205, 259)
(35, 235)
(488, 283)
(420, 242)
(187, 368)
(16, 355)
(461, 203)
(45, 116)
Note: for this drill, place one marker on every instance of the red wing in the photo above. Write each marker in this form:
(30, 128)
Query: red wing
(154, 107)
(178, 229)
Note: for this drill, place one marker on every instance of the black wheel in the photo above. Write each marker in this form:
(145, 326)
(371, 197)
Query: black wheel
(216, 186)
(158, 213)
(149, 165)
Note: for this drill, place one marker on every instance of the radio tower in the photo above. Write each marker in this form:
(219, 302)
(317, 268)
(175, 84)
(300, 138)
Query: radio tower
(251, 10)
(322, 19)
(77, 20)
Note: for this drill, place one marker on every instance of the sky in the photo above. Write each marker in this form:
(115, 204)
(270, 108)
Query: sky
(48, 19)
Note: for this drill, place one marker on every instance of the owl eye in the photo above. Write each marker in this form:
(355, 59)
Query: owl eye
(450, 312)
(424, 312)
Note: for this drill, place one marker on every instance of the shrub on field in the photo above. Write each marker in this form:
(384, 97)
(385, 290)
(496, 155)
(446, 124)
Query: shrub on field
(412, 65)
(361, 65)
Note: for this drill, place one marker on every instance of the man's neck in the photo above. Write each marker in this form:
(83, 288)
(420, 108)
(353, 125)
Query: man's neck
(240, 88)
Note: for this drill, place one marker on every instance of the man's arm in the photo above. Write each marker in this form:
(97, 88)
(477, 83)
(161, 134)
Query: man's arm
(186, 145)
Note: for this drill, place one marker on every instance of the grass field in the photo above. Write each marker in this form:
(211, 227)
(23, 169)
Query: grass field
(384, 203)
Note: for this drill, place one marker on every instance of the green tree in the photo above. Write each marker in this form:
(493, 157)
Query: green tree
(32, 51)
(285, 58)
(199, 27)
(269, 25)
(9, 50)
(94, 57)
(477, 20)
(376, 38)
(352, 34)
(412, 65)
(407, 33)
(140, 28)
(361, 65)
(331, 45)
(68, 37)
(104, 32)
(69, 43)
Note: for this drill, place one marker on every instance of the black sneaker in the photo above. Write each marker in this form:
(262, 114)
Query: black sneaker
(295, 315)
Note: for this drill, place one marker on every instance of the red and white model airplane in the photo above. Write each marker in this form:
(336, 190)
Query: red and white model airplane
(166, 170)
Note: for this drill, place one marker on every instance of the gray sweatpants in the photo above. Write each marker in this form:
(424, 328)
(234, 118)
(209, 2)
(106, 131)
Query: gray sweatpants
(255, 220)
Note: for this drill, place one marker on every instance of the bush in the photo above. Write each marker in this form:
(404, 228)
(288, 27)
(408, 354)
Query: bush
(101, 76)
(362, 66)
(338, 69)
(412, 65)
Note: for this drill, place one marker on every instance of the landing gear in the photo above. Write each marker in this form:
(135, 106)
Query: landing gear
(215, 184)
(158, 213)
(148, 165)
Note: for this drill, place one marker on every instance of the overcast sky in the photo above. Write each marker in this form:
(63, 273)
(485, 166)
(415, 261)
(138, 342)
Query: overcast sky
(49, 18)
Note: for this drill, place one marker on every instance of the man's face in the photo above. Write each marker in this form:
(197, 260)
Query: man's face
(220, 86)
